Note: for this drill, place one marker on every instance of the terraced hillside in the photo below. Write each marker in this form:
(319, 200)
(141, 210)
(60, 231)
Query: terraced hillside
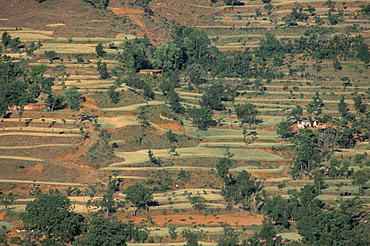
(128, 135)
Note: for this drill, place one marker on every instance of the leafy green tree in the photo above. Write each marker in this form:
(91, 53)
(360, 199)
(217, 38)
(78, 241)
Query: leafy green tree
(14, 89)
(172, 232)
(169, 56)
(174, 102)
(297, 112)
(5, 39)
(113, 94)
(223, 166)
(103, 70)
(360, 178)
(343, 107)
(246, 113)
(51, 55)
(307, 154)
(284, 129)
(359, 105)
(243, 189)
(55, 102)
(213, 97)
(138, 195)
(198, 202)
(7, 199)
(315, 106)
(72, 97)
(99, 50)
(201, 117)
(134, 54)
(53, 216)
(230, 236)
(191, 236)
(110, 231)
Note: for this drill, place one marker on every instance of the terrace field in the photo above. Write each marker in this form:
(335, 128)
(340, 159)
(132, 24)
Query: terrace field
(141, 139)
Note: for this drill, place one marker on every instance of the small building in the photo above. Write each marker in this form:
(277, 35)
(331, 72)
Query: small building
(154, 72)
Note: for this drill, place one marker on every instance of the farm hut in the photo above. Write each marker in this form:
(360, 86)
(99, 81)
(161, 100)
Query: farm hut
(154, 72)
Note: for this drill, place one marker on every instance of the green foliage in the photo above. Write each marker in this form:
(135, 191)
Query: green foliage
(103, 70)
(169, 56)
(201, 117)
(230, 236)
(213, 97)
(156, 161)
(284, 129)
(99, 50)
(246, 113)
(134, 55)
(198, 202)
(51, 56)
(110, 231)
(72, 97)
(191, 236)
(307, 155)
(172, 232)
(53, 216)
(138, 195)
(113, 94)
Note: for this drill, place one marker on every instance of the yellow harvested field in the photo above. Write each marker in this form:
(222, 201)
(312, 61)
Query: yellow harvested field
(118, 121)
(24, 158)
(55, 25)
(133, 106)
(40, 134)
(31, 35)
(40, 129)
(239, 154)
(66, 48)
(36, 146)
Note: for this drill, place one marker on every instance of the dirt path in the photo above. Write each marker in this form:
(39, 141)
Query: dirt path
(86, 145)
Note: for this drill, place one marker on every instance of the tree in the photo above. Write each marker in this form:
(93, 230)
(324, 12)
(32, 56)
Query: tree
(359, 105)
(103, 70)
(5, 38)
(230, 236)
(198, 202)
(307, 155)
(246, 113)
(174, 101)
(113, 94)
(55, 102)
(243, 189)
(138, 195)
(213, 97)
(99, 50)
(297, 112)
(53, 216)
(342, 107)
(284, 129)
(315, 106)
(223, 166)
(169, 56)
(360, 178)
(202, 117)
(7, 199)
(172, 232)
(191, 236)
(51, 56)
(72, 97)
(134, 55)
(110, 231)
